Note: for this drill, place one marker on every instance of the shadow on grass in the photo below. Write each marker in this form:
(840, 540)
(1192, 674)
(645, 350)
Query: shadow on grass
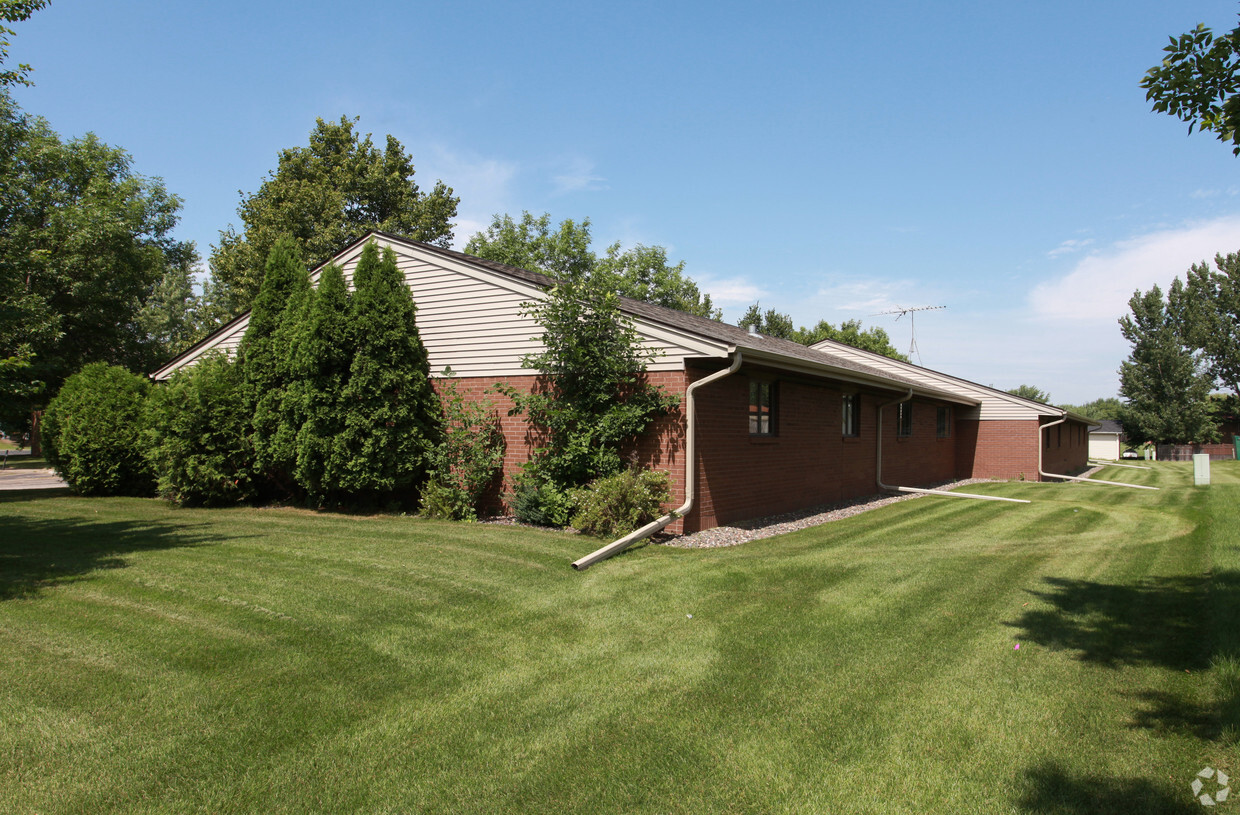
(37, 554)
(1162, 622)
(1052, 790)
(1179, 624)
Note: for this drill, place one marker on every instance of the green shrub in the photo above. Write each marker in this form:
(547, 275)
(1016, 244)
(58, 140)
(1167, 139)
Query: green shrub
(538, 501)
(467, 459)
(92, 432)
(196, 436)
(617, 504)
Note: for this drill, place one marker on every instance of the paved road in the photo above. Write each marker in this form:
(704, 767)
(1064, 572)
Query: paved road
(31, 480)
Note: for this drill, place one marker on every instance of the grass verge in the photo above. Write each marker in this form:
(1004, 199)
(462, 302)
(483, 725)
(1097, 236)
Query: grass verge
(162, 660)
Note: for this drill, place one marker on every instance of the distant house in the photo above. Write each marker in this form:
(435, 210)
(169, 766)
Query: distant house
(1104, 440)
(791, 427)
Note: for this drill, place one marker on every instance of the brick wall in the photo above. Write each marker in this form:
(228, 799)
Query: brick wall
(808, 461)
(662, 446)
(1065, 448)
(1009, 449)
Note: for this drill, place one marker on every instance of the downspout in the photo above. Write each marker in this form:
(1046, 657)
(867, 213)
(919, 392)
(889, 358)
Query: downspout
(878, 477)
(617, 546)
(1063, 418)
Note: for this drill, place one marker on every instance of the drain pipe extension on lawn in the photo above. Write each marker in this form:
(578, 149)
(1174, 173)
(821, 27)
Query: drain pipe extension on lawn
(1100, 463)
(615, 547)
(878, 477)
(1063, 418)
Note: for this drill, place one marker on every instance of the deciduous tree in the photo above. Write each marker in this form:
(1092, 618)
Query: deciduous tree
(1212, 317)
(325, 196)
(84, 243)
(593, 398)
(1166, 386)
(1197, 82)
(1031, 392)
(774, 324)
(642, 272)
(15, 11)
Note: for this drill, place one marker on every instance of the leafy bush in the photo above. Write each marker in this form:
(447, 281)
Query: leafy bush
(196, 436)
(538, 501)
(592, 399)
(467, 459)
(617, 504)
(92, 432)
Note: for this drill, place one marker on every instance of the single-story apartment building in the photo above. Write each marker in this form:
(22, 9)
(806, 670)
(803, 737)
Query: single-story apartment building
(780, 427)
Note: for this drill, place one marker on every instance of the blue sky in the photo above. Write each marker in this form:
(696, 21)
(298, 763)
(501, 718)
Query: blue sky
(830, 160)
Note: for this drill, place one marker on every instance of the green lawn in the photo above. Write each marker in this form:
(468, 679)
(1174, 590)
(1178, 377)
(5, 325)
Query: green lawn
(161, 660)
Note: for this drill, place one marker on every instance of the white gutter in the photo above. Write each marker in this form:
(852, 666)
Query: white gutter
(878, 472)
(615, 547)
(1063, 417)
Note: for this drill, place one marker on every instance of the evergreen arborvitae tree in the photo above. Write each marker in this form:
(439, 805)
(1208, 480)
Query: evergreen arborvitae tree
(321, 356)
(266, 367)
(392, 419)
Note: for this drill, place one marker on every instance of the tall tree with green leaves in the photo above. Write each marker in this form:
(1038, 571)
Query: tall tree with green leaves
(1212, 316)
(171, 318)
(325, 196)
(850, 332)
(392, 419)
(563, 252)
(321, 357)
(1197, 82)
(1031, 392)
(1166, 386)
(15, 11)
(84, 243)
(267, 372)
(1106, 407)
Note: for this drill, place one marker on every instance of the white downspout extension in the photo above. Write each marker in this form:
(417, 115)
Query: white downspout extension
(617, 546)
(1063, 418)
(878, 477)
(1103, 463)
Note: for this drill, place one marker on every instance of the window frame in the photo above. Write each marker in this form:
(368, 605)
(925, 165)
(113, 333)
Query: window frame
(850, 408)
(756, 408)
(904, 420)
(943, 422)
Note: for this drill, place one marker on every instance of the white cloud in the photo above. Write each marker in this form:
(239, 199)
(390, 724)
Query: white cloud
(868, 297)
(1098, 288)
(483, 184)
(1068, 247)
(578, 177)
(732, 291)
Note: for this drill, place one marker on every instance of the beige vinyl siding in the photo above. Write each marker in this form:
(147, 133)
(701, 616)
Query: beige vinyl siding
(470, 318)
(994, 406)
(226, 341)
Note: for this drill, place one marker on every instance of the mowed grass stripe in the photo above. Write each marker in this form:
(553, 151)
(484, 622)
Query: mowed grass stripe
(388, 664)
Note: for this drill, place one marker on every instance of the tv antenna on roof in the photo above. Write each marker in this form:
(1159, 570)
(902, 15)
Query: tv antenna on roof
(899, 311)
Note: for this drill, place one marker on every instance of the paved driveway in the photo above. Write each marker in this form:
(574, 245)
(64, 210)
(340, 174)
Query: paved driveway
(31, 480)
